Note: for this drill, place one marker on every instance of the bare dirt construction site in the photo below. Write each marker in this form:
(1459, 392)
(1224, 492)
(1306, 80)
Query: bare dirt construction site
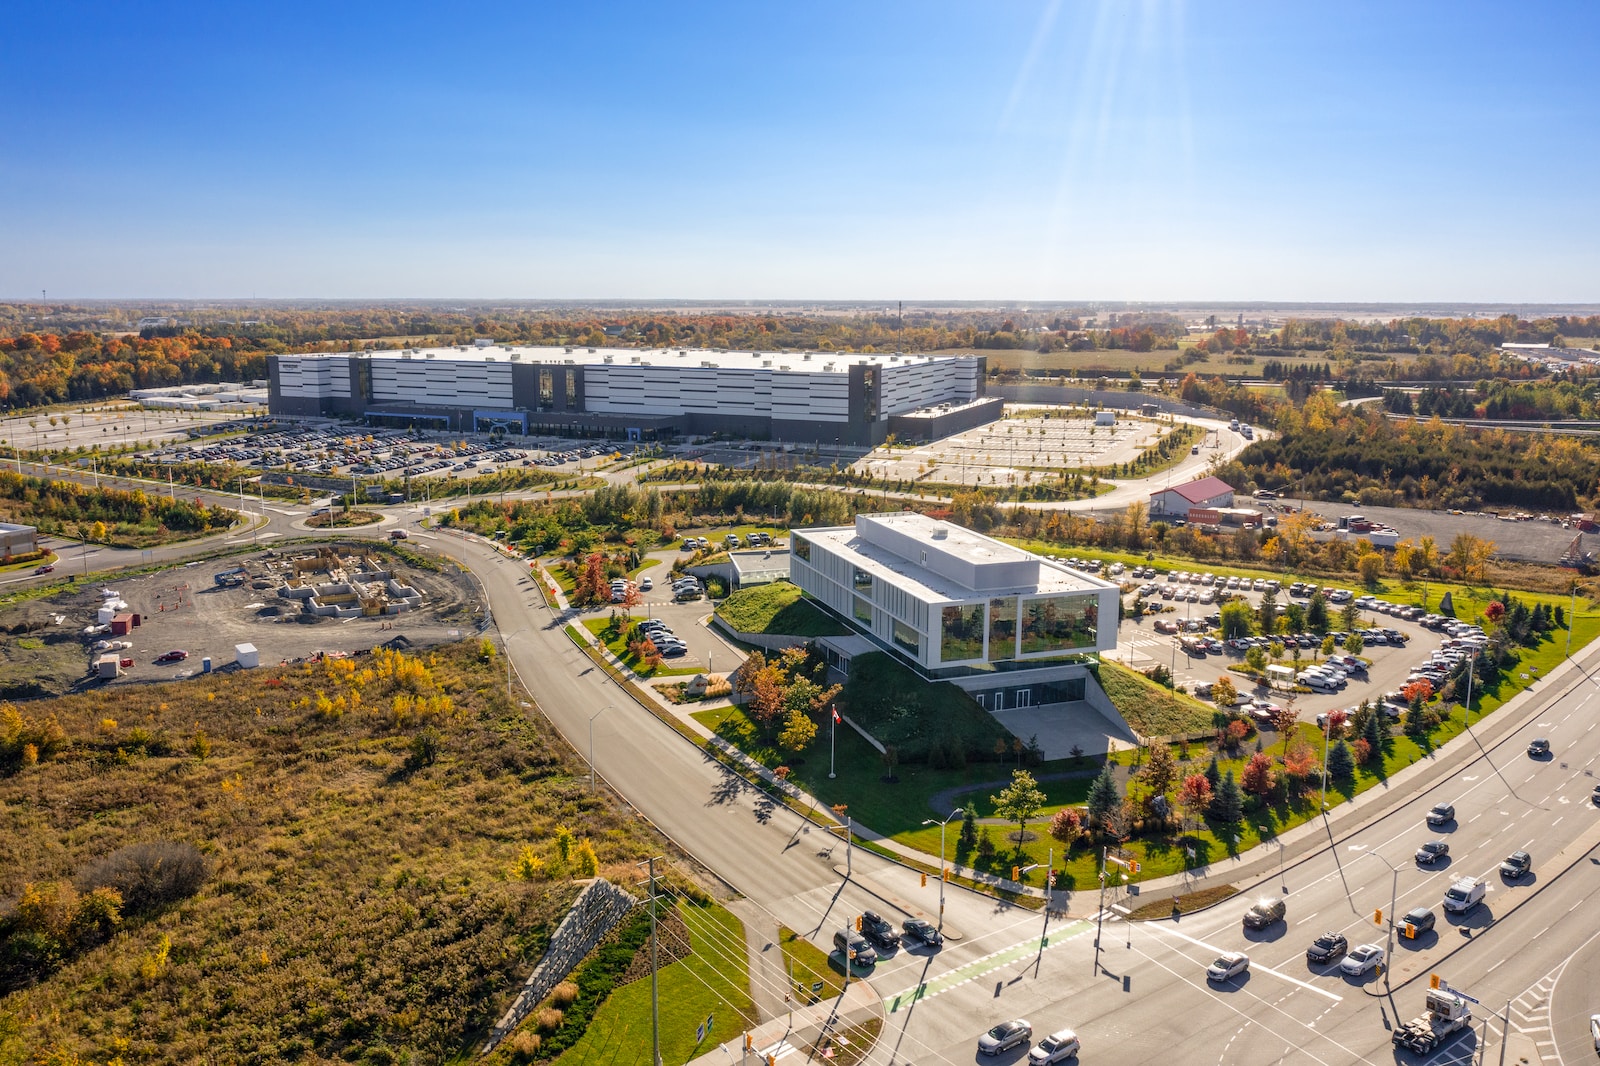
(1018, 449)
(290, 604)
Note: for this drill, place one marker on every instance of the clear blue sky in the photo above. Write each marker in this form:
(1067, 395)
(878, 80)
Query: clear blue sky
(820, 150)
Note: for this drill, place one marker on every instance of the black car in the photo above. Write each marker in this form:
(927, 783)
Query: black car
(1539, 748)
(1432, 852)
(1327, 947)
(1516, 865)
(918, 929)
(877, 929)
(1419, 919)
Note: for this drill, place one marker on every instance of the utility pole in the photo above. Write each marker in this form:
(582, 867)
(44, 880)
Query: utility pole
(655, 1001)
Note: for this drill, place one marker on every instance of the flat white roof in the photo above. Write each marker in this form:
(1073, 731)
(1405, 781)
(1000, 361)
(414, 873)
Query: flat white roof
(941, 543)
(794, 362)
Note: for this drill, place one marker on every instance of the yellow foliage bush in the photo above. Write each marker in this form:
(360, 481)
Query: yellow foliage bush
(548, 1019)
(565, 994)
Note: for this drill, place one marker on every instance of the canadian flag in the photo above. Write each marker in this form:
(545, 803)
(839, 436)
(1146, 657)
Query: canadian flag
(836, 717)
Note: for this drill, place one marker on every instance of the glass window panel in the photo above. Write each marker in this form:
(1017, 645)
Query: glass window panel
(961, 632)
(863, 611)
(863, 582)
(1002, 629)
(907, 638)
(1059, 623)
(801, 547)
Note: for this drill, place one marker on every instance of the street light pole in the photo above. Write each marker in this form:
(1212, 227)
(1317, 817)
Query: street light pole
(944, 871)
(592, 717)
(1394, 891)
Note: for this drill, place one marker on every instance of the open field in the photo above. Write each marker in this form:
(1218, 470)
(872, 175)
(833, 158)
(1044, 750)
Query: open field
(351, 817)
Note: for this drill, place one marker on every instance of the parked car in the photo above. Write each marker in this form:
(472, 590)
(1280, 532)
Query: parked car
(1361, 960)
(1004, 1037)
(174, 656)
(921, 930)
(1228, 964)
(1327, 947)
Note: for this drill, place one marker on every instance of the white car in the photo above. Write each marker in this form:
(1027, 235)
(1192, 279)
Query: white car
(1594, 1029)
(1361, 960)
(1228, 964)
(1057, 1047)
(646, 584)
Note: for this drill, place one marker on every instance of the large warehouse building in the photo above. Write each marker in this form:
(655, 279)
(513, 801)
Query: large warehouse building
(810, 397)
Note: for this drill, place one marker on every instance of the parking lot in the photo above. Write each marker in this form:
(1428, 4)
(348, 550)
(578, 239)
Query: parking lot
(54, 641)
(1142, 643)
(332, 450)
(1014, 450)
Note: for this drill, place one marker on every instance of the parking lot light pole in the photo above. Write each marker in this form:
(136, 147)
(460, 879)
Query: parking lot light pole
(1394, 891)
(944, 871)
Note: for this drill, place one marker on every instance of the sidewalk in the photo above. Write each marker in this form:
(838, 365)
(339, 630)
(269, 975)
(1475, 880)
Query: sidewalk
(808, 1033)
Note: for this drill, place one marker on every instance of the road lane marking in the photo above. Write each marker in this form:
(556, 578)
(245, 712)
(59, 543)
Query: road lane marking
(988, 964)
(1253, 966)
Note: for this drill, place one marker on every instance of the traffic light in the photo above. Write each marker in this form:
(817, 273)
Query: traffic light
(1411, 931)
(858, 929)
(1377, 916)
(924, 880)
(1133, 866)
(749, 1042)
(1016, 873)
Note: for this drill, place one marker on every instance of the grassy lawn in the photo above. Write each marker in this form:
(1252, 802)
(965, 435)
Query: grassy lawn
(642, 567)
(895, 810)
(777, 608)
(714, 981)
(808, 965)
(617, 643)
(1150, 709)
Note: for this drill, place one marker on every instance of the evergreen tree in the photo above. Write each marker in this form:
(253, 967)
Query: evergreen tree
(1341, 763)
(1103, 797)
(1214, 775)
(967, 839)
(1376, 730)
(1317, 614)
(1227, 806)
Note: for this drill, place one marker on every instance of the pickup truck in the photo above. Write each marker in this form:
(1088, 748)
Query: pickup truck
(1447, 1013)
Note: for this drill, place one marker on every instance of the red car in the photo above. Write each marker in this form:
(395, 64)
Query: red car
(46, 568)
(174, 656)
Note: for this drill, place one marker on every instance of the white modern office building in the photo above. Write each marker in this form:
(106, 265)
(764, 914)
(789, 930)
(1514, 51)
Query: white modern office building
(1006, 625)
(811, 397)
